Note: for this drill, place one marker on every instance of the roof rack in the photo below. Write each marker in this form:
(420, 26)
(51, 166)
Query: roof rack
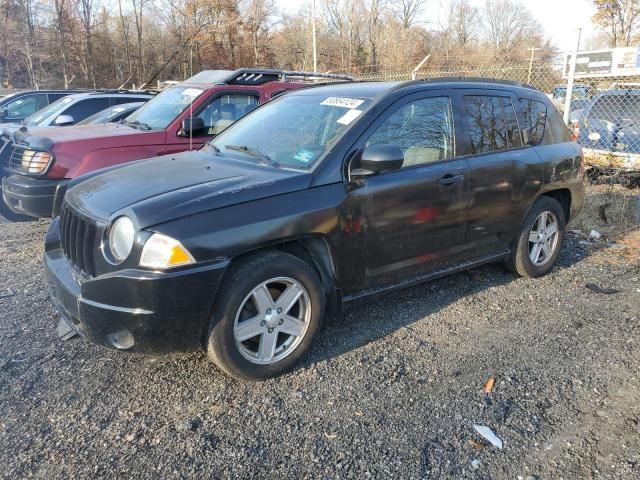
(150, 91)
(479, 80)
(256, 76)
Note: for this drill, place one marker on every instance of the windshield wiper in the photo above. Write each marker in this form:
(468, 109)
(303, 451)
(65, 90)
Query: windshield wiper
(212, 146)
(255, 153)
(137, 124)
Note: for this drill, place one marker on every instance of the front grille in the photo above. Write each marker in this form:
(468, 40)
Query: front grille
(78, 239)
(28, 161)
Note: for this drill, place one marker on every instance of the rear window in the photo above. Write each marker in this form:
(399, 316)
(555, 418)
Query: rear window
(535, 117)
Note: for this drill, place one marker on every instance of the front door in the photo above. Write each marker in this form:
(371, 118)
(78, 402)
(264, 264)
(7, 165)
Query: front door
(412, 220)
(218, 112)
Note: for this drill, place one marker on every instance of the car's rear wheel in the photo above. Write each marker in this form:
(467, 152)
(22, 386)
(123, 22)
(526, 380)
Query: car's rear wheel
(538, 244)
(265, 319)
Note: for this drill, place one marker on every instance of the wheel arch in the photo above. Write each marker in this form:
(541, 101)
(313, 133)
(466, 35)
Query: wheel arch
(312, 249)
(563, 197)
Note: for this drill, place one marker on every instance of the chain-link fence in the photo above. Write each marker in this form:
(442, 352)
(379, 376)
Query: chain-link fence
(604, 112)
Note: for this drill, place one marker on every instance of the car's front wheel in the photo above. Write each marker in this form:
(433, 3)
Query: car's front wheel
(266, 316)
(538, 244)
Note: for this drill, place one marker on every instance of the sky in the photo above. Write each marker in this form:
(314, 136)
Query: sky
(560, 19)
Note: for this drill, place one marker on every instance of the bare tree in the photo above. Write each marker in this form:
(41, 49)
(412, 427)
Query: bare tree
(619, 18)
(507, 24)
(407, 11)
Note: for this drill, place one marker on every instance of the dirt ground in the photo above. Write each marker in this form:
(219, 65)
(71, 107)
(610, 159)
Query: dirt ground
(392, 390)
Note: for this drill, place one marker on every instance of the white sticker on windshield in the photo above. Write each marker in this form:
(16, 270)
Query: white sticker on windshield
(342, 102)
(349, 117)
(192, 92)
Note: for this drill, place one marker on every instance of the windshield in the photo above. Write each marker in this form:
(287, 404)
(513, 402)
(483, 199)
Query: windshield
(41, 115)
(622, 109)
(164, 108)
(291, 132)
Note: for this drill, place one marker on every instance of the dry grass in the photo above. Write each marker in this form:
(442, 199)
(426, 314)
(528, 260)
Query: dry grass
(614, 212)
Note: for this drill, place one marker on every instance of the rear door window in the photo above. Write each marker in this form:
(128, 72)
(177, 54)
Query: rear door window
(485, 124)
(86, 108)
(535, 117)
(514, 136)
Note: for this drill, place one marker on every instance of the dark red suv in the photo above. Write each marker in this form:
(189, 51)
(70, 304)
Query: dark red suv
(41, 162)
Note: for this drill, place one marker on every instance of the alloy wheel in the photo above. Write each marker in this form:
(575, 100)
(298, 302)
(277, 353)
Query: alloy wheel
(543, 238)
(272, 320)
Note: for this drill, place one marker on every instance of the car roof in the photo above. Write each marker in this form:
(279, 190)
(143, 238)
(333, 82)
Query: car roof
(619, 91)
(376, 89)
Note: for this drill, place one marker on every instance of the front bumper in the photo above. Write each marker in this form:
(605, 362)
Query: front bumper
(134, 310)
(36, 197)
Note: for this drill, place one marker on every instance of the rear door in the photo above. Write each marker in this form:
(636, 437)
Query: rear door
(412, 220)
(498, 163)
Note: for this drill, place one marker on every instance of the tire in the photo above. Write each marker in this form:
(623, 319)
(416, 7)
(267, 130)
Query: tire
(522, 249)
(238, 313)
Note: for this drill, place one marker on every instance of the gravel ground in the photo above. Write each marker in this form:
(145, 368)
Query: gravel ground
(393, 390)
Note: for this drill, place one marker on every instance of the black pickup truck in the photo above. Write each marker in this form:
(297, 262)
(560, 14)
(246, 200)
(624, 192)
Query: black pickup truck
(316, 199)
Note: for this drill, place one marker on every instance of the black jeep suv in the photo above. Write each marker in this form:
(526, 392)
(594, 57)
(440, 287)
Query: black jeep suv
(318, 198)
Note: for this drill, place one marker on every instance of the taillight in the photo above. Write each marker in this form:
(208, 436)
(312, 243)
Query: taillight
(576, 132)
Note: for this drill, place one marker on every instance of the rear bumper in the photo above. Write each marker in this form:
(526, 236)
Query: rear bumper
(35, 197)
(616, 160)
(133, 310)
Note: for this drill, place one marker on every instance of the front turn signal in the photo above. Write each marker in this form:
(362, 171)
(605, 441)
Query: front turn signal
(161, 251)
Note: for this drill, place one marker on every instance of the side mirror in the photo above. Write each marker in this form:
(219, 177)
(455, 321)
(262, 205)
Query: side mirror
(192, 127)
(63, 120)
(4, 113)
(379, 158)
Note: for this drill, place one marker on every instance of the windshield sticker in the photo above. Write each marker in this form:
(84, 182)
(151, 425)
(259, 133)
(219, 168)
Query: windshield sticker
(305, 156)
(349, 117)
(192, 92)
(342, 102)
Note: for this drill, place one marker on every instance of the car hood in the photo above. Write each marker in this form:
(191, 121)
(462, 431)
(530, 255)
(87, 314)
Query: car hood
(99, 136)
(174, 186)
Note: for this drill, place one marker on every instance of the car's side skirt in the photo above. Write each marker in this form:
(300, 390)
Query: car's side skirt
(433, 275)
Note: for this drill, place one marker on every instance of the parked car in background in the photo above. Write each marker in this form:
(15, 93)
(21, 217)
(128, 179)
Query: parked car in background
(180, 118)
(322, 197)
(581, 97)
(111, 114)
(76, 107)
(64, 112)
(609, 132)
(16, 107)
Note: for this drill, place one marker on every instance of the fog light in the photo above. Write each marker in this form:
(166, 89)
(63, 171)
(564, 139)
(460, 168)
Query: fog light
(122, 340)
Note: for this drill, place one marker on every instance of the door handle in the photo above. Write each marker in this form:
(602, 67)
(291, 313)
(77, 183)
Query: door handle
(450, 179)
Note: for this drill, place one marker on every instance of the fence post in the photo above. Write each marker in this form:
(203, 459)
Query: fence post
(572, 76)
(414, 73)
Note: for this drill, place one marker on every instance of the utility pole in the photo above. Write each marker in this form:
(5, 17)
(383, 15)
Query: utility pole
(572, 76)
(533, 51)
(315, 47)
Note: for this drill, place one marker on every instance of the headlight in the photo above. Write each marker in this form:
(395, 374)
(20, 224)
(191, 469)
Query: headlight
(161, 251)
(121, 237)
(35, 162)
